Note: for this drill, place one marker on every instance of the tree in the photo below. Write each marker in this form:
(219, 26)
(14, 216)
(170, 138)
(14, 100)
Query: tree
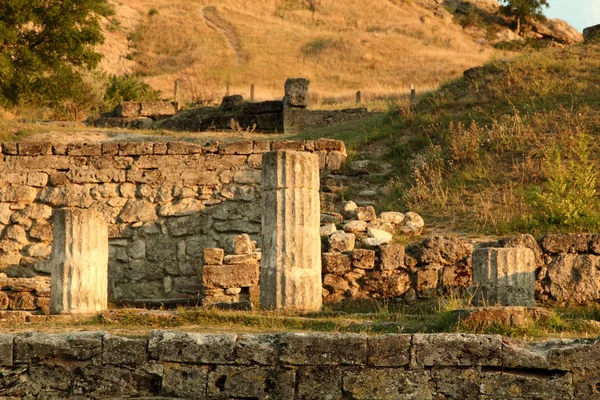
(524, 10)
(45, 45)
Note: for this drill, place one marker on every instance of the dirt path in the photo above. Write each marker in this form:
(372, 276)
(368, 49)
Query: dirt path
(225, 28)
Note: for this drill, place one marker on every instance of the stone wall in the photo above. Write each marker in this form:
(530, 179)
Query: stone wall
(164, 203)
(181, 365)
(297, 120)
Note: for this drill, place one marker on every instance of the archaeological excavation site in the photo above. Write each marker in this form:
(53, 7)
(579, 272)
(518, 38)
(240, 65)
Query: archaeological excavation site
(298, 200)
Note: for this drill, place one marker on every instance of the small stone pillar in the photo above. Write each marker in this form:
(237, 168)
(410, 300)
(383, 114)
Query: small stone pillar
(79, 262)
(290, 276)
(296, 93)
(504, 276)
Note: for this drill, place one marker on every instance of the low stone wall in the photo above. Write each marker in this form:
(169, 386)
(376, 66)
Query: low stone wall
(297, 120)
(164, 203)
(181, 365)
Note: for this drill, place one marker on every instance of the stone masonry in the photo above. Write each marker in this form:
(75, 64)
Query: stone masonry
(79, 262)
(187, 365)
(291, 263)
(163, 202)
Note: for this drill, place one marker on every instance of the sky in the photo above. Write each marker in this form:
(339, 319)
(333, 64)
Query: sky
(578, 13)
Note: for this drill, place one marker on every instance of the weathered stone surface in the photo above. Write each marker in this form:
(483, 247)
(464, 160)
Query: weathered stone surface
(80, 346)
(145, 109)
(118, 350)
(79, 262)
(392, 257)
(18, 194)
(412, 225)
(336, 263)
(442, 250)
(366, 213)
(257, 349)
(355, 227)
(507, 385)
(228, 276)
(456, 349)
(591, 33)
(6, 349)
(378, 236)
(189, 347)
(138, 211)
(456, 383)
(341, 241)
(504, 276)
(570, 243)
(575, 278)
(363, 259)
(387, 384)
(296, 93)
(242, 244)
(349, 210)
(323, 349)
(393, 217)
(290, 226)
(213, 256)
(185, 381)
(251, 382)
(319, 383)
(389, 350)
(327, 230)
(335, 284)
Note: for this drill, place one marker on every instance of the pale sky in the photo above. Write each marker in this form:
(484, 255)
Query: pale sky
(578, 13)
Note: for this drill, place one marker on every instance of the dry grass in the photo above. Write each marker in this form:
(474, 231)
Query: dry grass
(376, 45)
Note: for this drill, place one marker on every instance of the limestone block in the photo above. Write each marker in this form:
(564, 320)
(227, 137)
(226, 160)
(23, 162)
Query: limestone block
(185, 381)
(456, 349)
(504, 276)
(336, 263)
(200, 348)
(506, 385)
(296, 93)
(569, 243)
(251, 382)
(574, 278)
(117, 350)
(393, 217)
(387, 384)
(34, 148)
(363, 259)
(213, 256)
(457, 383)
(79, 262)
(412, 225)
(291, 260)
(355, 227)
(335, 284)
(323, 349)
(227, 276)
(389, 350)
(256, 349)
(319, 383)
(6, 349)
(341, 241)
(366, 213)
(379, 237)
(327, 230)
(80, 346)
(242, 244)
(392, 257)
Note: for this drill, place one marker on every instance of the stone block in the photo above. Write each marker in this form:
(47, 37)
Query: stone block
(427, 280)
(136, 148)
(190, 347)
(504, 276)
(355, 227)
(387, 384)
(457, 383)
(456, 349)
(84, 149)
(256, 349)
(574, 278)
(291, 252)
(366, 213)
(295, 145)
(507, 385)
(6, 349)
(363, 259)
(184, 381)
(180, 148)
(342, 241)
(319, 383)
(229, 276)
(331, 145)
(118, 350)
(320, 349)
(242, 244)
(335, 284)
(565, 243)
(392, 257)
(79, 262)
(296, 93)
(251, 382)
(334, 161)
(336, 263)
(80, 346)
(389, 350)
(213, 256)
(34, 148)
(243, 147)
(591, 33)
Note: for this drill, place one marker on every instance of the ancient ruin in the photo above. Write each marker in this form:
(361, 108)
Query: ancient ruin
(291, 261)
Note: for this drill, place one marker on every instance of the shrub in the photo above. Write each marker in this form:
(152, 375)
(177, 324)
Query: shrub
(128, 88)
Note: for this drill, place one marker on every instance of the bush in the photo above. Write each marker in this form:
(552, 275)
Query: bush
(568, 197)
(128, 88)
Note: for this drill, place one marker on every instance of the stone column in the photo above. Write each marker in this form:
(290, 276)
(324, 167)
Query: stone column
(296, 93)
(504, 276)
(79, 262)
(290, 277)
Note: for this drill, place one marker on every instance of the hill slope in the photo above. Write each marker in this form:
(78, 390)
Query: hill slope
(379, 46)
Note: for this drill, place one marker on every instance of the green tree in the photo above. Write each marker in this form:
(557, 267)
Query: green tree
(45, 45)
(524, 10)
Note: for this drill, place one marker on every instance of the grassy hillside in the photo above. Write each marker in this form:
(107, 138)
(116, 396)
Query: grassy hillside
(379, 46)
(511, 148)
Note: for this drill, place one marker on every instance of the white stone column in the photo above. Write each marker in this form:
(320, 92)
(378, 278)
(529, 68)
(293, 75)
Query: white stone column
(290, 277)
(79, 262)
(504, 276)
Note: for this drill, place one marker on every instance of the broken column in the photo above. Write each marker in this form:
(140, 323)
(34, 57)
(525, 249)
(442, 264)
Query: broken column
(504, 276)
(79, 262)
(296, 93)
(290, 276)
